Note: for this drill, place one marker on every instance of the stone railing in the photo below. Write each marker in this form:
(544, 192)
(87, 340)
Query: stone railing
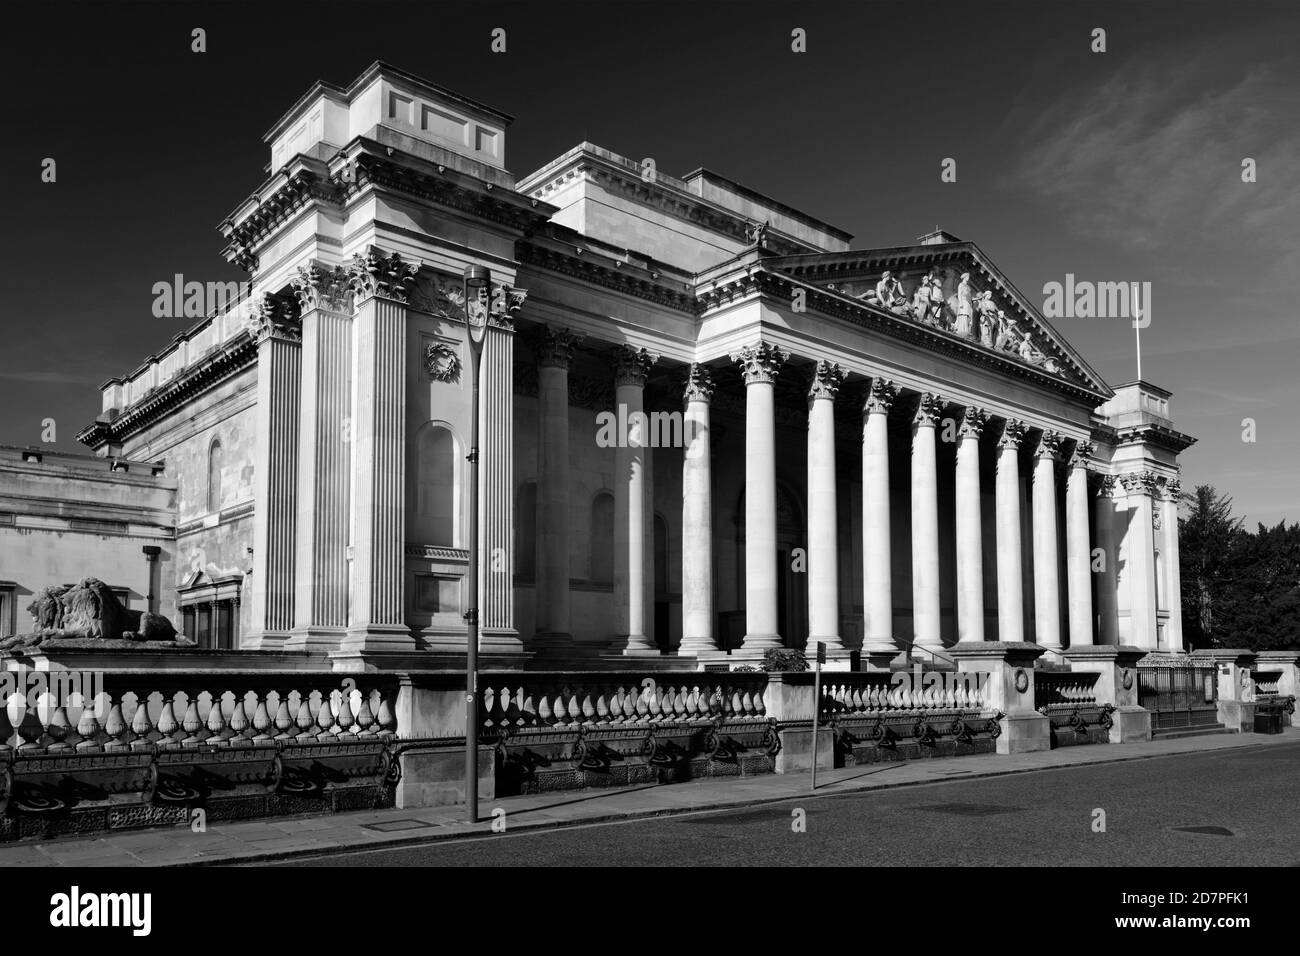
(134, 711)
(534, 700)
(93, 751)
(1266, 683)
(870, 693)
(1064, 689)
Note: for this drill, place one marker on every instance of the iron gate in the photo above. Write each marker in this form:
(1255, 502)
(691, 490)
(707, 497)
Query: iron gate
(1179, 692)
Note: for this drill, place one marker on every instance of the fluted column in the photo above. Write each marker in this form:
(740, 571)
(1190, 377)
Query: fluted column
(377, 618)
(1078, 547)
(554, 353)
(877, 595)
(630, 521)
(324, 459)
(496, 471)
(1047, 578)
(698, 633)
(276, 329)
(1011, 622)
(760, 365)
(1173, 580)
(823, 523)
(970, 539)
(925, 523)
(1139, 553)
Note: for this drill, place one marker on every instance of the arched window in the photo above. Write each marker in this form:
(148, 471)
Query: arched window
(216, 458)
(526, 531)
(601, 568)
(436, 517)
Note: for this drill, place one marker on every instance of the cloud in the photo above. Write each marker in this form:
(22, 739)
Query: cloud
(1150, 159)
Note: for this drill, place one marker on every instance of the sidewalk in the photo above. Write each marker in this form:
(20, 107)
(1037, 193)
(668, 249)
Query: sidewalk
(261, 840)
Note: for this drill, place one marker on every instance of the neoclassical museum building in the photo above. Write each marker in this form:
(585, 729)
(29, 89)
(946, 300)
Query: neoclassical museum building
(709, 426)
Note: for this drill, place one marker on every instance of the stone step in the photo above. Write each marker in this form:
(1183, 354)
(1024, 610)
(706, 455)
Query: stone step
(1174, 733)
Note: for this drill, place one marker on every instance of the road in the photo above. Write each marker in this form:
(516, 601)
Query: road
(1246, 799)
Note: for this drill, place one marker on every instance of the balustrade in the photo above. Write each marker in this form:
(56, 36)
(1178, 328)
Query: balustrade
(521, 701)
(138, 711)
(872, 693)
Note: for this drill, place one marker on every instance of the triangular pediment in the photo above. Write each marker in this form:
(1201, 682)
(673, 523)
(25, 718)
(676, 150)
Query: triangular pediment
(987, 316)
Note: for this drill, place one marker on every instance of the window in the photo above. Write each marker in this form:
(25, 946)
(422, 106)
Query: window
(436, 519)
(526, 531)
(8, 605)
(601, 570)
(216, 458)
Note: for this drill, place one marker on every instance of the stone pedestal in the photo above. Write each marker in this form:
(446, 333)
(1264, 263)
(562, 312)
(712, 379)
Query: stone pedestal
(1117, 685)
(1009, 688)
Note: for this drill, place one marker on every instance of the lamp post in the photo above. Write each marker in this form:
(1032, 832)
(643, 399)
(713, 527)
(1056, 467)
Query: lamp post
(476, 284)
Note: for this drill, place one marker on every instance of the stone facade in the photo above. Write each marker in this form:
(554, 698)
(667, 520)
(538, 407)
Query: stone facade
(886, 448)
(68, 517)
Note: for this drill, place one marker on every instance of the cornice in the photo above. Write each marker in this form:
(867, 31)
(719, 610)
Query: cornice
(1158, 436)
(214, 368)
(607, 272)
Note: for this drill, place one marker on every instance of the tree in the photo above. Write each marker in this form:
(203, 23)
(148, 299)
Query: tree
(1206, 538)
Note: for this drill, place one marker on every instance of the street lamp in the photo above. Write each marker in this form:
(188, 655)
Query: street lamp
(478, 280)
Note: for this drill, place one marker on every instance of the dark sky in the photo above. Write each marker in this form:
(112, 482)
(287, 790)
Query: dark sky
(1122, 166)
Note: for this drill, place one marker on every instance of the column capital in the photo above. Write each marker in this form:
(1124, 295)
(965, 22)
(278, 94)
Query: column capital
(973, 421)
(381, 274)
(1139, 483)
(1081, 454)
(1106, 486)
(1174, 490)
(1013, 433)
(699, 384)
(880, 397)
(929, 408)
(760, 363)
(275, 317)
(1048, 446)
(554, 346)
(631, 365)
(320, 286)
(825, 381)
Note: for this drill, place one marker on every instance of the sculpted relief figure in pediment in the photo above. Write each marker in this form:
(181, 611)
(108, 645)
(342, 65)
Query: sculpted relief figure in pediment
(970, 313)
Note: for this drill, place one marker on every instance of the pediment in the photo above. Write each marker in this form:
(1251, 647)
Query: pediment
(924, 288)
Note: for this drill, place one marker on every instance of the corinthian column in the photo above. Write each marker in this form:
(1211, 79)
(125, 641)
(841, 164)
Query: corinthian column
(377, 619)
(1011, 622)
(554, 353)
(823, 551)
(877, 596)
(970, 544)
(278, 333)
(1173, 581)
(1139, 550)
(925, 524)
(760, 365)
(697, 518)
(630, 368)
(1078, 547)
(320, 614)
(1047, 583)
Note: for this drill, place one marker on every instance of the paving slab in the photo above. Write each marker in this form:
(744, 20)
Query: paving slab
(262, 840)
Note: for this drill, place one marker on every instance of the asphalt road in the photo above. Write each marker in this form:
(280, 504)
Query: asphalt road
(1249, 799)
